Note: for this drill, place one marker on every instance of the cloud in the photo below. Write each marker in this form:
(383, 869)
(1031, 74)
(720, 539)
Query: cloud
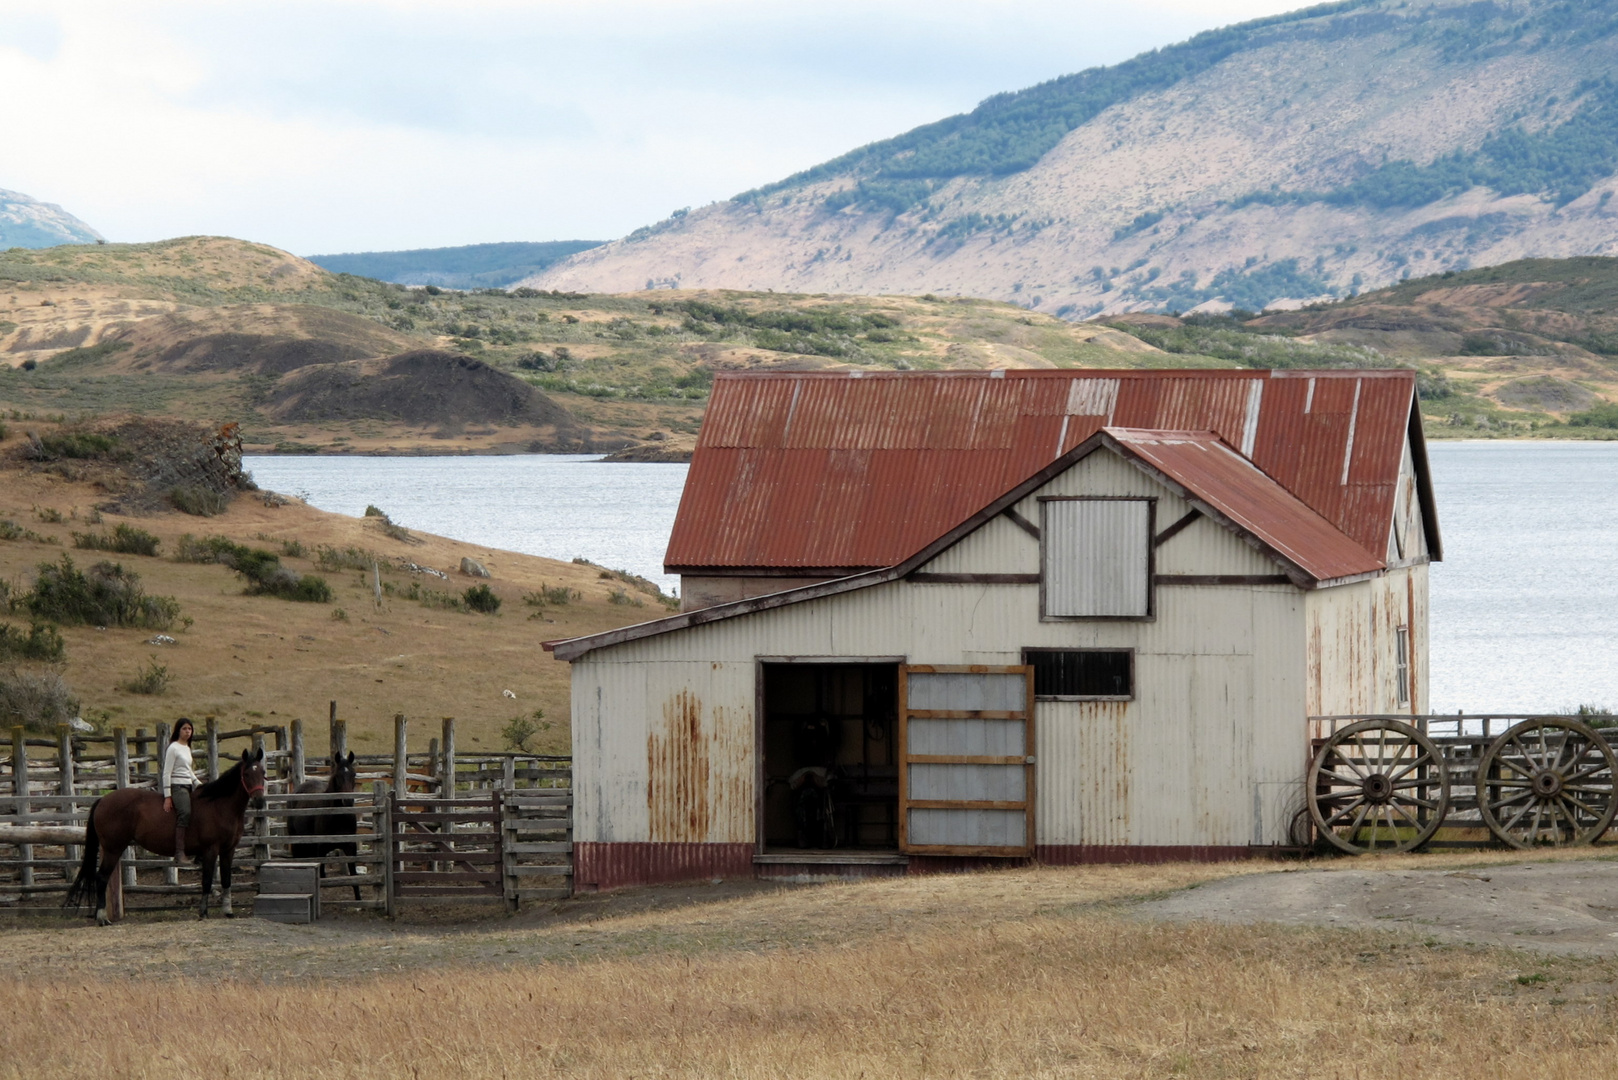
(364, 124)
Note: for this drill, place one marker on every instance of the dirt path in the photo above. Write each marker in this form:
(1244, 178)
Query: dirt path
(1568, 908)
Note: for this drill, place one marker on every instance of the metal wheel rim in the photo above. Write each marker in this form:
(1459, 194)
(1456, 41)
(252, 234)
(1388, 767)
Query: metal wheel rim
(1547, 783)
(1378, 786)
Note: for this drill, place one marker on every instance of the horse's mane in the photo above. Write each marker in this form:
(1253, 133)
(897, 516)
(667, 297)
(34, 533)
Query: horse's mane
(225, 786)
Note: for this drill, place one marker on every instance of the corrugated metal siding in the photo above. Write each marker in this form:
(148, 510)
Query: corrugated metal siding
(1351, 644)
(1222, 677)
(1096, 557)
(881, 463)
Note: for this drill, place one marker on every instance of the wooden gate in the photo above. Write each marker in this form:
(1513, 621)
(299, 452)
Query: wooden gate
(446, 849)
(966, 786)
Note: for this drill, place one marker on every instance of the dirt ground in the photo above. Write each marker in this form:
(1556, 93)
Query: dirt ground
(1569, 908)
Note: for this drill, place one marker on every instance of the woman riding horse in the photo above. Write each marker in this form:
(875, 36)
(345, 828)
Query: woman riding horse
(178, 780)
(141, 816)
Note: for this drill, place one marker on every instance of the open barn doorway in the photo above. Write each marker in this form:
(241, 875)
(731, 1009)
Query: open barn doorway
(831, 772)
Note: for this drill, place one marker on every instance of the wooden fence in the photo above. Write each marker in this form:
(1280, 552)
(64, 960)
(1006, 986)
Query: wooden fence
(52, 782)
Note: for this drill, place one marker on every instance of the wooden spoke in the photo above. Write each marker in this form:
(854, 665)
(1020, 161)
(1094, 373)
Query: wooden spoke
(1547, 783)
(1363, 796)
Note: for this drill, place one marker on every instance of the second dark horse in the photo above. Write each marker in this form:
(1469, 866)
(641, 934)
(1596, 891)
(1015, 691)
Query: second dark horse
(338, 821)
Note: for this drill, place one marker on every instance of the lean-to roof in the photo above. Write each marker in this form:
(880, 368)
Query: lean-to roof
(835, 473)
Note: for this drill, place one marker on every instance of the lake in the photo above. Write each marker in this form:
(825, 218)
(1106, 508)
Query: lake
(1524, 607)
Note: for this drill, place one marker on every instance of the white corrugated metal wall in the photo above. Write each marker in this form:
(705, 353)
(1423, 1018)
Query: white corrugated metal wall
(1210, 752)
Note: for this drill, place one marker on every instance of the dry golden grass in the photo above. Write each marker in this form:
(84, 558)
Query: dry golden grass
(1024, 973)
(258, 659)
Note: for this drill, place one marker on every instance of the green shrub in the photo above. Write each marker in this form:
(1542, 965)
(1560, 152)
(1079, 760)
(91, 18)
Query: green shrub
(125, 540)
(42, 642)
(213, 549)
(153, 678)
(376, 512)
(618, 596)
(105, 595)
(553, 595)
(349, 558)
(199, 501)
(1604, 415)
(49, 515)
(76, 444)
(519, 729)
(10, 530)
(37, 700)
(293, 549)
(481, 598)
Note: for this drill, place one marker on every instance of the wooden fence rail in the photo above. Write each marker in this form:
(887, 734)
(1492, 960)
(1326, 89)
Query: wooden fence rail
(50, 784)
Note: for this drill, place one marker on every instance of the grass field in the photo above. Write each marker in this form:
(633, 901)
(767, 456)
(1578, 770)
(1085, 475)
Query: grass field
(1022, 973)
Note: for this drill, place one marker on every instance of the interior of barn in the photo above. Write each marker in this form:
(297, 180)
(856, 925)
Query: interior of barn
(831, 774)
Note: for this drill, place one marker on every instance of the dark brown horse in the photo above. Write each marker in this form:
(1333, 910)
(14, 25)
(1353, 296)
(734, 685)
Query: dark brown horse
(136, 816)
(340, 822)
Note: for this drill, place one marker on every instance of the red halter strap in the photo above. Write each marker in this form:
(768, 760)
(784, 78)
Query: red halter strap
(251, 791)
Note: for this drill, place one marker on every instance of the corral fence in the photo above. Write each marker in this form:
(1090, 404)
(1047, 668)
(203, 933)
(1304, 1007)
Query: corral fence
(483, 826)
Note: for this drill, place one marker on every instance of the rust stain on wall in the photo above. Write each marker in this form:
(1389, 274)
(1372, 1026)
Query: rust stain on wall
(677, 768)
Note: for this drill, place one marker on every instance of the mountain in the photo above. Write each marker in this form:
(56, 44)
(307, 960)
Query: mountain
(1300, 157)
(25, 222)
(473, 266)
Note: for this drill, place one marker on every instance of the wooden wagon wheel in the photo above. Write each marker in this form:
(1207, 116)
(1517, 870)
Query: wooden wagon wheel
(1378, 785)
(1547, 783)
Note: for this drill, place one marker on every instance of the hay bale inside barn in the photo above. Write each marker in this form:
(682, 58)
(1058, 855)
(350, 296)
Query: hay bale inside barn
(934, 619)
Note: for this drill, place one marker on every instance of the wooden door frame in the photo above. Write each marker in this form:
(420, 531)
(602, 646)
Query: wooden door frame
(1026, 760)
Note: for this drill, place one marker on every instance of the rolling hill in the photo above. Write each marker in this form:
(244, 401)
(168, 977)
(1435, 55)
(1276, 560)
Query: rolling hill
(1307, 156)
(471, 266)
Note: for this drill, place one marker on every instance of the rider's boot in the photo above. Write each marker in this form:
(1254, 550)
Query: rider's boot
(179, 845)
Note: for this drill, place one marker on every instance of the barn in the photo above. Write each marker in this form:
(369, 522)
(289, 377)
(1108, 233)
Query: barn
(935, 620)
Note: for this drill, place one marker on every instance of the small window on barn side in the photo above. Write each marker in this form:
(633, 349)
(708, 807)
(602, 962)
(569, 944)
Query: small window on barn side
(1082, 674)
(1401, 645)
(1096, 558)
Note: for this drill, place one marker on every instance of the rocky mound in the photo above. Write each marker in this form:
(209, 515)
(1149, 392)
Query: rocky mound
(425, 387)
(269, 339)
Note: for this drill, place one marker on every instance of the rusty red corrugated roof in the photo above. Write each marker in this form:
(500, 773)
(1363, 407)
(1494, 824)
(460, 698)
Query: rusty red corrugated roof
(1234, 488)
(836, 472)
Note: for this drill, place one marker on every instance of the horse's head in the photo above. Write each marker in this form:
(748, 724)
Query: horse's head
(253, 776)
(344, 773)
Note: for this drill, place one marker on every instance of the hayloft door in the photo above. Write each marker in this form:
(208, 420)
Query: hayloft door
(966, 782)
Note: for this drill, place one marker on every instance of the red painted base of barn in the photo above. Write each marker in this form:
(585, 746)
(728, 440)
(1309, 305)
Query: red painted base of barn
(597, 866)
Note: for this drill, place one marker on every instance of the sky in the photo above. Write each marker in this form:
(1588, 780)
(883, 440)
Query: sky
(365, 125)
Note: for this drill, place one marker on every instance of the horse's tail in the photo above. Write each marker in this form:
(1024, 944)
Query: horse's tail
(84, 886)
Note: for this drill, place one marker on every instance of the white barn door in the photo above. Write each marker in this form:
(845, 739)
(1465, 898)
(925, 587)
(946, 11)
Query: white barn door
(966, 780)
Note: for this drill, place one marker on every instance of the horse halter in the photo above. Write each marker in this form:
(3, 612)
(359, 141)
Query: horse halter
(252, 791)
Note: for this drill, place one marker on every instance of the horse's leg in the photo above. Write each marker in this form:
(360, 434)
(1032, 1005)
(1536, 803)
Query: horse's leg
(108, 867)
(225, 857)
(207, 860)
(352, 851)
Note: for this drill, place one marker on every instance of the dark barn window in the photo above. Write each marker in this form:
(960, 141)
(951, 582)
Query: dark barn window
(1067, 674)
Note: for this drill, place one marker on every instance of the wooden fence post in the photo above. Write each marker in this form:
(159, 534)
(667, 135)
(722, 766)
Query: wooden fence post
(508, 773)
(432, 760)
(120, 756)
(297, 755)
(384, 818)
(213, 748)
(142, 767)
(283, 751)
(171, 873)
(401, 752)
(503, 801)
(447, 784)
(261, 828)
(120, 760)
(64, 780)
(19, 783)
